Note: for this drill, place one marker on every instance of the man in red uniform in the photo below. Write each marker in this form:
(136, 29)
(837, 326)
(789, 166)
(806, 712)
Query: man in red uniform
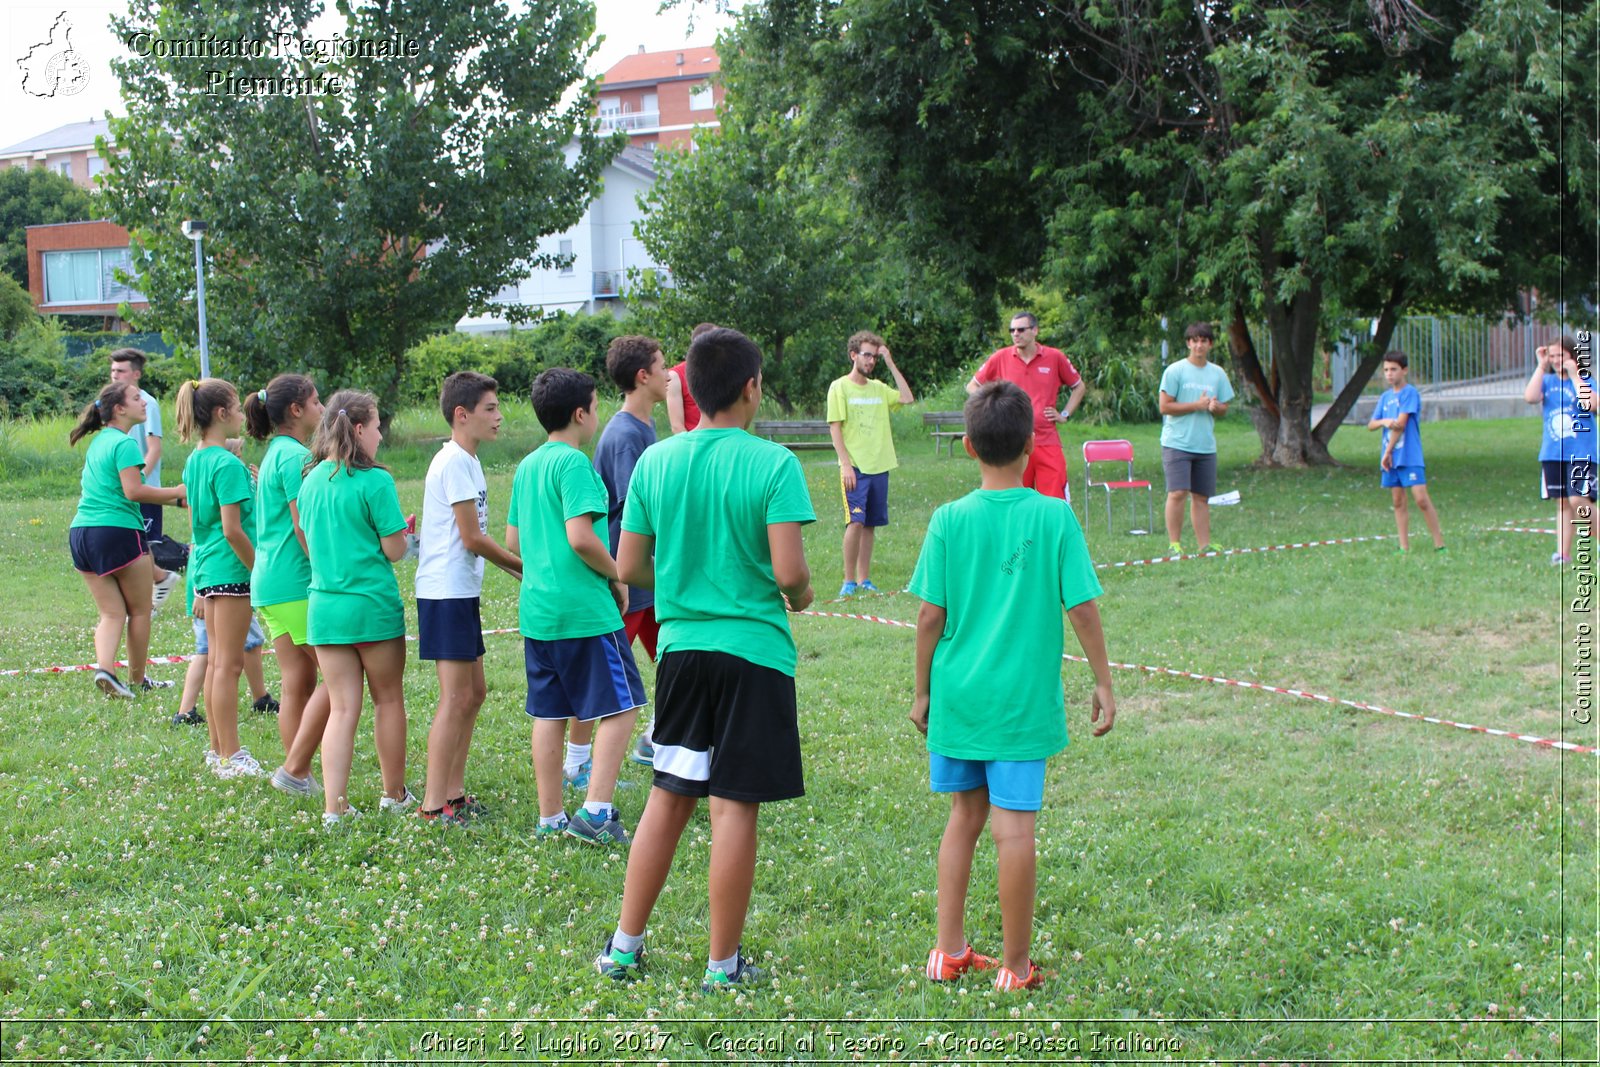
(1041, 371)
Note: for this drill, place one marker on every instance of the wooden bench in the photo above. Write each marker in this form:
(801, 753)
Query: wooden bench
(946, 428)
(781, 431)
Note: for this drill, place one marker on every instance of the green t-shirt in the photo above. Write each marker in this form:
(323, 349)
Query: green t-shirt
(103, 502)
(562, 596)
(354, 596)
(1003, 564)
(707, 498)
(864, 412)
(213, 477)
(282, 571)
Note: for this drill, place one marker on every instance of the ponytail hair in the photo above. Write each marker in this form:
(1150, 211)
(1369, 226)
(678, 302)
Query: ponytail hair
(199, 402)
(100, 411)
(268, 409)
(336, 434)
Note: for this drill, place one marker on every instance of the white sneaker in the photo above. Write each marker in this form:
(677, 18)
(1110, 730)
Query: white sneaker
(405, 803)
(213, 761)
(331, 820)
(245, 764)
(285, 782)
(161, 590)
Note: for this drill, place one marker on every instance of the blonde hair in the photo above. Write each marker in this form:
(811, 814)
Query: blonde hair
(199, 401)
(336, 433)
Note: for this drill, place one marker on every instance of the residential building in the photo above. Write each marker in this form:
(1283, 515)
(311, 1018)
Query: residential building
(68, 150)
(72, 270)
(661, 98)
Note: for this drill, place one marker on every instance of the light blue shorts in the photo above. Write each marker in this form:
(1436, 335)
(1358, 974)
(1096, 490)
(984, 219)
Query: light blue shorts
(252, 640)
(1015, 785)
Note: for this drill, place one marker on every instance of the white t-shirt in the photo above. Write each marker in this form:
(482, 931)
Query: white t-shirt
(445, 569)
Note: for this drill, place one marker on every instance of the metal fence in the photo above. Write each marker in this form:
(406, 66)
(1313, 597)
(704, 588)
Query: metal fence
(1456, 355)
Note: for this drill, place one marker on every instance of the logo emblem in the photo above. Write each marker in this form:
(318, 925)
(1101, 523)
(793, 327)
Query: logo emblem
(52, 67)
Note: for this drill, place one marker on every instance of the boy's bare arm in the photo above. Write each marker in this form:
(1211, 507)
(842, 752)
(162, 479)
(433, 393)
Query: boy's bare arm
(789, 568)
(930, 627)
(636, 559)
(1085, 620)
(589, 548)
(481, 544)
(675, 415)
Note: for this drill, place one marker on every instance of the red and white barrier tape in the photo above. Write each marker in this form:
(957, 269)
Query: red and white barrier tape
(1565, 746)
(1522, 529)
(1244, 551)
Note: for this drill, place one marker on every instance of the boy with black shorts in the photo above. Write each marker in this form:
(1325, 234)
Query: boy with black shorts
(996, 570)
(577, 656)
(1194, 394)
(720, 502)
(454, 542)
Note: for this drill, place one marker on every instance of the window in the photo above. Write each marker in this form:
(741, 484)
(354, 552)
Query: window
(700, 97)
(64, 168)
(567, 259)
(96, 166)
(88, 277)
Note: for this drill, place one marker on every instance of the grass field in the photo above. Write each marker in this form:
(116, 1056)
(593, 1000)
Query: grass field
(1230, 875)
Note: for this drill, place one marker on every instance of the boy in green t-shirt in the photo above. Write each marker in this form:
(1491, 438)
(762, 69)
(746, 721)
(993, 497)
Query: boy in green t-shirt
(720, 502)
(575, 648)
(858, 420)
(996, 569)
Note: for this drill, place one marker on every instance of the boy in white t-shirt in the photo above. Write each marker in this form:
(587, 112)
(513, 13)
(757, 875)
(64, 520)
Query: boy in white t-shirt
(454, 543)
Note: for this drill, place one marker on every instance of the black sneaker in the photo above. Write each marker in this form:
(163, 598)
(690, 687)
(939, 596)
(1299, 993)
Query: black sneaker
(112, 686)
(192, 717)
(150, 685)
(716, 981)
(267, 705)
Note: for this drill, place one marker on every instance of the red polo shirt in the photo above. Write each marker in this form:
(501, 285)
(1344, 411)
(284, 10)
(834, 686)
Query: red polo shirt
(1041, 378)
(691, 410)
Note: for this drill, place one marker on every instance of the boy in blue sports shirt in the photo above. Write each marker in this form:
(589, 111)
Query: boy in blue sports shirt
(1398, 415)
(996, 570)
(576, 652)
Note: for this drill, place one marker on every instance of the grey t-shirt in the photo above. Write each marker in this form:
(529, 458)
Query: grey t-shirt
(622, 442)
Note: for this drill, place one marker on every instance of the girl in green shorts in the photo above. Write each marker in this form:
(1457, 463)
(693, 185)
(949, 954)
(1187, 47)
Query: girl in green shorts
(285, 414)
(107, 534)
(350, 512)
(222, 502)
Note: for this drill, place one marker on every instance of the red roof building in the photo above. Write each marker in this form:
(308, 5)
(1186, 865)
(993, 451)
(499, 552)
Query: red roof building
(661, 98)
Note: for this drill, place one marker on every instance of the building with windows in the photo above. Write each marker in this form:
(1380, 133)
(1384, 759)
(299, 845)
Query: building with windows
(68, 150)
(661, 98)
(72, 270)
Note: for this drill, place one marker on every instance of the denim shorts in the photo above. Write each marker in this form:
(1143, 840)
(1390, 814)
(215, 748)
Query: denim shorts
(252, 640)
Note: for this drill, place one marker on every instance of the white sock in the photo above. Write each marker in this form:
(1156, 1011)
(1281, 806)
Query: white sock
(729, 966)
(649, 737)
(558, 819)
(576, 754)
(597, 807)
(626, 942)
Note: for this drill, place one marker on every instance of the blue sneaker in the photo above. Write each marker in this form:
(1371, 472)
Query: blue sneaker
(620, 966)
(604, 829)
(581, 779)
(644, 752)
(866, 586)
(848, 589)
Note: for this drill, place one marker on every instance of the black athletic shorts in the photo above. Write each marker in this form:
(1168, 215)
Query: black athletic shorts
(726, 727)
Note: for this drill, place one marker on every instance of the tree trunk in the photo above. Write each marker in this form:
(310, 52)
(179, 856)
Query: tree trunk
(1294, 344)
(778, 390)
(1371, 358)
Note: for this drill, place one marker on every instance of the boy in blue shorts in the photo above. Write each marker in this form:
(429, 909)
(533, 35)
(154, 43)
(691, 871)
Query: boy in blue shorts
(717, 502)
(996, 570)
(1398, 415)
(577, 656)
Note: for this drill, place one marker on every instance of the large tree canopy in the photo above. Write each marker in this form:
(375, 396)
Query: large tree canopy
(32, 196)
(1252, 162)
(345, 225)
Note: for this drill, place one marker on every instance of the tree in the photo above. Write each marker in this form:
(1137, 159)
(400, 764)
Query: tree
(355, 201)
(1268, 162)
(34, 197)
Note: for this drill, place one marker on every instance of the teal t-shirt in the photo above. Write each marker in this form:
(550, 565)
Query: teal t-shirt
(707, 498)
(282, 572)
(1003, 564)
(103, 502)
(213, 477)
(354, 596)
(1184, 382)
(562, 596)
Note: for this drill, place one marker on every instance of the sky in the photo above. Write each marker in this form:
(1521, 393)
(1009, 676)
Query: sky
(32, 37)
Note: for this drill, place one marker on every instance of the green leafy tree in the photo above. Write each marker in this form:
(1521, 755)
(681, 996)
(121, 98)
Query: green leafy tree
(346, 226)
(33, 197)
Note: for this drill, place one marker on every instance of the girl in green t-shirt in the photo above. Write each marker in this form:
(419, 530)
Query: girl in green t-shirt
(107, 534)
(219, 565)
(285, 414)
(350, 512)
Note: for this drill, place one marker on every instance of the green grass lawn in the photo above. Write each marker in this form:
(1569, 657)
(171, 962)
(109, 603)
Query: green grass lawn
(1229, 875)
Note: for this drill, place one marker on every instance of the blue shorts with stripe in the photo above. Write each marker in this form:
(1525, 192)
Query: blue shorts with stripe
(582, 678)
(868, 503)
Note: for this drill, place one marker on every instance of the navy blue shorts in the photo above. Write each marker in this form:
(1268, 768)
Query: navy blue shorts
(1575, 478)
(151, 513)
(449, 629)
(725, 727)
(104, 550)
(868, 502)
(582, 678)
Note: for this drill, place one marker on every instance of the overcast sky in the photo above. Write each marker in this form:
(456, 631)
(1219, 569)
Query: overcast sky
(625, 25)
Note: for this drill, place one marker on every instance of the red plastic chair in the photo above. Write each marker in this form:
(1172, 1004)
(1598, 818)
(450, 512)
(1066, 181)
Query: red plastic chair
(1113, 452)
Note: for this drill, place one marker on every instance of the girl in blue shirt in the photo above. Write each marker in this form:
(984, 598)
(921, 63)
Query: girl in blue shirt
(1567, 451)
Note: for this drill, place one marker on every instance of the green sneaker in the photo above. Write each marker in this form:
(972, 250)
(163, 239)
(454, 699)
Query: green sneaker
(1213, 547)
(543, 832)
(1174, 549)
(722, 982)
(604, 829)
(620, 966)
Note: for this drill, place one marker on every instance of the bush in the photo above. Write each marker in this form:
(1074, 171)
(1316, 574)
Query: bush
(35, 382)
(514, 359)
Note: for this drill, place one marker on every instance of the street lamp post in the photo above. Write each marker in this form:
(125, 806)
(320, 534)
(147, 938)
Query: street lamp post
(195, 230)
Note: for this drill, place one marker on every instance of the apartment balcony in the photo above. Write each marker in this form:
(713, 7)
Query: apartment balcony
(629, 120)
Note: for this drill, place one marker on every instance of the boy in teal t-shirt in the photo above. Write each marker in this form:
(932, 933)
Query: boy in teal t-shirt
(996, 569)
(722, 505)
(575, 647)
(1194, 394)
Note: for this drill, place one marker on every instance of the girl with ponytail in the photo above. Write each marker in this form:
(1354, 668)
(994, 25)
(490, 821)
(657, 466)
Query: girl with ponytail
(285, 414)
(222, 509)
(350, 512)
(106, 536)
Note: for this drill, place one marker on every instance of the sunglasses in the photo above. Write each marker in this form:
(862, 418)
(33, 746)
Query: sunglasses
(1023, 329)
